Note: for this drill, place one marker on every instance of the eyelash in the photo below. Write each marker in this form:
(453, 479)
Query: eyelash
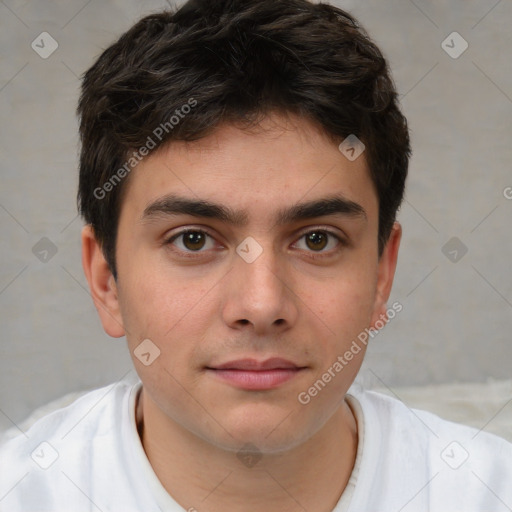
(311, 254)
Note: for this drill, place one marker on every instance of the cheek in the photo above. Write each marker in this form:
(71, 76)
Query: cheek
(342, 306)
(175, 313)
(156, 301)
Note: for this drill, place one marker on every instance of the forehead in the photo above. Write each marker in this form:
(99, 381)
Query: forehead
(281, 162)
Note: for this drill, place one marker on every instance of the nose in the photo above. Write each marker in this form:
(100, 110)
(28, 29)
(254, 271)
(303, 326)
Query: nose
(259, 295)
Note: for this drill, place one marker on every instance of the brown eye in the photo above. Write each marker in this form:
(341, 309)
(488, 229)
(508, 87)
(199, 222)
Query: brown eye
(194, 240)
(317, 240)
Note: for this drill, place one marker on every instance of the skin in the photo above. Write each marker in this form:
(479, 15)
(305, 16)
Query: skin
(215, 307)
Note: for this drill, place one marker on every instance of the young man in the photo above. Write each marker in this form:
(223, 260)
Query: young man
(242, 165)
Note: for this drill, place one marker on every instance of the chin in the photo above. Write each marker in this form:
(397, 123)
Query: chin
(270, 433)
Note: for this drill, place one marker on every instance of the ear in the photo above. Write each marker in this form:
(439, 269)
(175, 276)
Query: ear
(102, 284)
(385, 275)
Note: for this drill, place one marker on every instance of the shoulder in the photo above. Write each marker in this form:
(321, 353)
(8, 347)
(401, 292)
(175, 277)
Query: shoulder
(92, 410)
(457, 464)
(46, 465)
(395, 417)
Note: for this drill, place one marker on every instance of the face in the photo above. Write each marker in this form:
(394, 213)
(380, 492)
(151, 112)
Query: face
(250, 261)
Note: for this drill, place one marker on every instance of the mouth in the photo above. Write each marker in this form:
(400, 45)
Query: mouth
(251, 374)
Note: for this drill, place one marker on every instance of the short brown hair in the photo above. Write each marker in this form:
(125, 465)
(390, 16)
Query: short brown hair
(235, 61)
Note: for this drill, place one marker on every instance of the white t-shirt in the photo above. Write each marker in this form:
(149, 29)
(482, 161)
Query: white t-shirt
(88, 457)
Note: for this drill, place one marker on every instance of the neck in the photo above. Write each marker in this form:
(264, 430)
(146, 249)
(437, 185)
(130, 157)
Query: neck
(204, 477)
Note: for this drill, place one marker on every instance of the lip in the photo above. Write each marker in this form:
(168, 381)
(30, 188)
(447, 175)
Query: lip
(251, 374)
(273, 363)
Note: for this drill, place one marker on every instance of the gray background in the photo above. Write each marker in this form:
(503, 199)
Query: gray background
(455, 323)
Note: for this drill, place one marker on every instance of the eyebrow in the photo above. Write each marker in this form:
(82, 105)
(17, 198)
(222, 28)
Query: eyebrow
(171, 205)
